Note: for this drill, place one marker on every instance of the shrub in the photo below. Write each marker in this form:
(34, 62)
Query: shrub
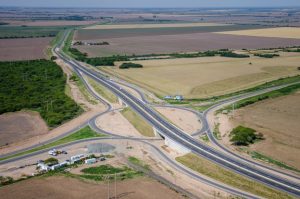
(266, 55)
(244, 136)
(51, 161)
(130, 65)
(232, 54)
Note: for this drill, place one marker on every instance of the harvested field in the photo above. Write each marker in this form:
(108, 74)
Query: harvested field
(284, 32)
(94, 34)
(59, 187)
(23, 49)
(146, 44)
(206, 76)
(278, 120)
(19, 126)
(134, 26)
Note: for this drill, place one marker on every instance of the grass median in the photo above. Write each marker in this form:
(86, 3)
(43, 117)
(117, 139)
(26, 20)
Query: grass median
(138, 122)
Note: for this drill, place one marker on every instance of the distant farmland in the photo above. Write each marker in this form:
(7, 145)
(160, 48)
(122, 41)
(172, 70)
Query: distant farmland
(207, 76)
(141, 45)
(23, 49)
(94, 34)
(29, 31)
(139, 41)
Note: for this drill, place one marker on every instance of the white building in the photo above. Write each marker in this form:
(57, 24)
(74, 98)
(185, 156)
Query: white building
(90, 161)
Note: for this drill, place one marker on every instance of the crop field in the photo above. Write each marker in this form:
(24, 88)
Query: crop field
(207, 76)
(284, 32)
(23, 49)
(176, 43)
(278, 120)
(94, 34)
(7, 32)
(172, 25)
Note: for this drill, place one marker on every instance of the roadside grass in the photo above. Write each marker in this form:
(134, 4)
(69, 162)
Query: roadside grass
(53, 42)
(267, 159)
(139, 163)
(138, 122)
(216, 132)
(204, 138)
(273, 94)
(218, 173)
(83, 89)
(101, 90)
(83, 133)
(270, 160)
(68, 43)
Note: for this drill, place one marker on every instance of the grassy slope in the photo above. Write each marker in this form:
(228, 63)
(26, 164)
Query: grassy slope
(101, 90)
(216, 172)
(138, 122)
(84, 133)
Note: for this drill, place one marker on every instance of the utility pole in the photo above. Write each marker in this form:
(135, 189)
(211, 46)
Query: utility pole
(108, 189)
(233, 110)
(115, 185)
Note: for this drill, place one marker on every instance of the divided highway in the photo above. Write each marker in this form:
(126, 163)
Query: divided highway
(168, 130)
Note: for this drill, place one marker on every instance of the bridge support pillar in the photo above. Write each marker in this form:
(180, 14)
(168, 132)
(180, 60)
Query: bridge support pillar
(172, 144)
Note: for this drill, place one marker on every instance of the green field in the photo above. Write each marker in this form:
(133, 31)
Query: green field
(39, 86)
(7, 32)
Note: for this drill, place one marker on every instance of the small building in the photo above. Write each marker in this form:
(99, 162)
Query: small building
(168, 97)
(43, 167)
(178, 97)
(56, 166)
(90, 161)
(77, 158)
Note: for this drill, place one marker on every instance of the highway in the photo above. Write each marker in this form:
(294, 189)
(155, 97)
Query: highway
(168, 130)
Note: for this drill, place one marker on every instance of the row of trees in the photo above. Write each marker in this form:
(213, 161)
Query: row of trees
(37, 85)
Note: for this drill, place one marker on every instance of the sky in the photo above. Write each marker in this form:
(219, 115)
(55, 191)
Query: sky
(150, 3)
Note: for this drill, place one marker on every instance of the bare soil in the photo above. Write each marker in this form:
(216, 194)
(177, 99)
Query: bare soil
(23, 49)
(144, 44)
(185, 120)
(62, 187)
(116, 123)
(278, 120)
(21, 125)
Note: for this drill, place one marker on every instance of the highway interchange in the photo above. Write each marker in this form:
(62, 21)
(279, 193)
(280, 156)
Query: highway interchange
(222, 156)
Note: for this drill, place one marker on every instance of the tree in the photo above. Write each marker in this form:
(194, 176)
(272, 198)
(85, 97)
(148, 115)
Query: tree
(51, 161)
